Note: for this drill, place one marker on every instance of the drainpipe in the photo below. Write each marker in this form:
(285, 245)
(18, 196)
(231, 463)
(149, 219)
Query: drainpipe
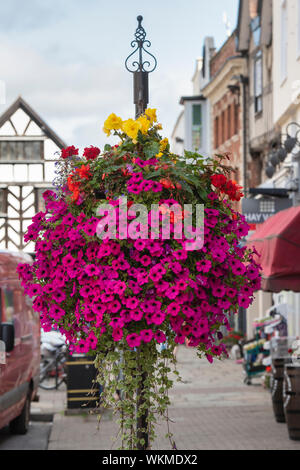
(244, 81)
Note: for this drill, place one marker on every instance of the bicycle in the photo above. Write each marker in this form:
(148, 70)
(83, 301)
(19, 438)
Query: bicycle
(53, 367)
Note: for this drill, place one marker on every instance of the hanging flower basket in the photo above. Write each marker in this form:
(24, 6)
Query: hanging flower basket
(119, 292)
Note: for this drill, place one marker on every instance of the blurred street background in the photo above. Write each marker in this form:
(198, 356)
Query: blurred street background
(212, 410)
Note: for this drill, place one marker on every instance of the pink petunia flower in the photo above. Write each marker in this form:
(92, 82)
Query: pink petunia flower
(133, 340)
(146, 335)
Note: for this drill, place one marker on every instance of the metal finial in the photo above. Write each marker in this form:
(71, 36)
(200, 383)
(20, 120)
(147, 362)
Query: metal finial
(140, 65)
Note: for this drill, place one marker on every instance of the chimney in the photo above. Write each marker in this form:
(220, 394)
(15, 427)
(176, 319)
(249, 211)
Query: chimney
(253, 8)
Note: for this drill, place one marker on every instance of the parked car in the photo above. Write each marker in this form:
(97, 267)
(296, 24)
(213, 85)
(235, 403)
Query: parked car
(20, 336)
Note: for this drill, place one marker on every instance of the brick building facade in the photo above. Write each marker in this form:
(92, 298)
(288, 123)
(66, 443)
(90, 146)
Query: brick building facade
(226, 97)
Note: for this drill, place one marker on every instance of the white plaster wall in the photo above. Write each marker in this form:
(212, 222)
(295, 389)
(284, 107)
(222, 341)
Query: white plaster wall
(204, 150)
(286, 91)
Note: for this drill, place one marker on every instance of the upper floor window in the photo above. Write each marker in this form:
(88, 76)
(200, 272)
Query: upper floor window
(229, 129)
(236, 118)
(217, 132)
(258, 89)
(256, 30)
(284, 40)
(223, 127)
(21, 150)
(196, 126)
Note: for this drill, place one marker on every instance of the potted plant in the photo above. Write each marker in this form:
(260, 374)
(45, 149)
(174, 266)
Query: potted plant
(117, 292)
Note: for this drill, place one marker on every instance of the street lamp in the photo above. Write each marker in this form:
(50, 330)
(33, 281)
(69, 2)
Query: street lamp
(281, 154)
(288, 146)
(290, 143)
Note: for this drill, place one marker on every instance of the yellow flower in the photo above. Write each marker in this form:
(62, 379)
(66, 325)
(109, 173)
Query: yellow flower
(158, 126)
(107, 131)
(112, 122)
(159, 155)
(145, 124)
(163, 144)
(151, 115)
(131, 128)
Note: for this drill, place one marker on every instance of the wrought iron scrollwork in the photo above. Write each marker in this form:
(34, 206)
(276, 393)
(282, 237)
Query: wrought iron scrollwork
(140, 41)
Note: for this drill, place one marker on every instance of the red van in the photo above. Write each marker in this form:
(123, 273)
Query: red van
(20, 337)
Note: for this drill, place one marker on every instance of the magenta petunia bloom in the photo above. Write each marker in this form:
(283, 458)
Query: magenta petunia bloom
(56, 312)
(133, 340)
(91, 270)
(116, 322)
(244, 301)
(59, 296)
(158, 318)
(139, 244)
(173, 309)
(146, 335)
(160, 337)
(117, 334)
(203, 265)
(218, 290)
(132, 302)
(68, 260)
(136, 314)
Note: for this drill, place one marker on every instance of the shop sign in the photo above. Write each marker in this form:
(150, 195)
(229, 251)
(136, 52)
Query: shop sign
(257, 211)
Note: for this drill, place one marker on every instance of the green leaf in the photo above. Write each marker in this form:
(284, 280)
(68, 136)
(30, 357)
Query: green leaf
(186, 187)
(151, 149)
(107, 148)
(153, 174)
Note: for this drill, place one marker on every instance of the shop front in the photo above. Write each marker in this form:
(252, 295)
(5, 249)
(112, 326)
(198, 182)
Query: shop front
(277, 242)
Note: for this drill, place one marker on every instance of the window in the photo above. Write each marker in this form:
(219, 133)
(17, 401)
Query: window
(7, 310)
(21, 150)
(236, 118)
(223, 127)
(229, 133)
(196, 126)
(216, 132)
(256, 30)
(284, 41)
(267, 205)
(258, 82)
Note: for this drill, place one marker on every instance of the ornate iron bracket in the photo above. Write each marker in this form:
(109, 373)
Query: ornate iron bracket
(140, 67)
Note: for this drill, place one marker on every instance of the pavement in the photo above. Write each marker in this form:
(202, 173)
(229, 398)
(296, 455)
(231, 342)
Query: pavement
(36, 438)
(211, 410)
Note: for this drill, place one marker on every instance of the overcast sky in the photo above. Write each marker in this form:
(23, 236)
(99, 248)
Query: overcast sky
(66, 57)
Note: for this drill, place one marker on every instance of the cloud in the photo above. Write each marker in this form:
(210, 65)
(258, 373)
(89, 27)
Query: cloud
(16, 15)
(75, 98)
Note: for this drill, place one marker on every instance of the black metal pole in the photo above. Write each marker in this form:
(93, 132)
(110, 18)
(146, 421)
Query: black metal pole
(141, 69)
(245, 81)
(140, 92)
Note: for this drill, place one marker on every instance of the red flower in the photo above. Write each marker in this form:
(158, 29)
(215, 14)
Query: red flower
(218, 180)
(75, 195)
(229, 187)
(71, 184)
(90, 153)
(84, 171)
(69, 151)
(167, 183)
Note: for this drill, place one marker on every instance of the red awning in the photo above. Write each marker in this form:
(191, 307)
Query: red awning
(278, 242)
